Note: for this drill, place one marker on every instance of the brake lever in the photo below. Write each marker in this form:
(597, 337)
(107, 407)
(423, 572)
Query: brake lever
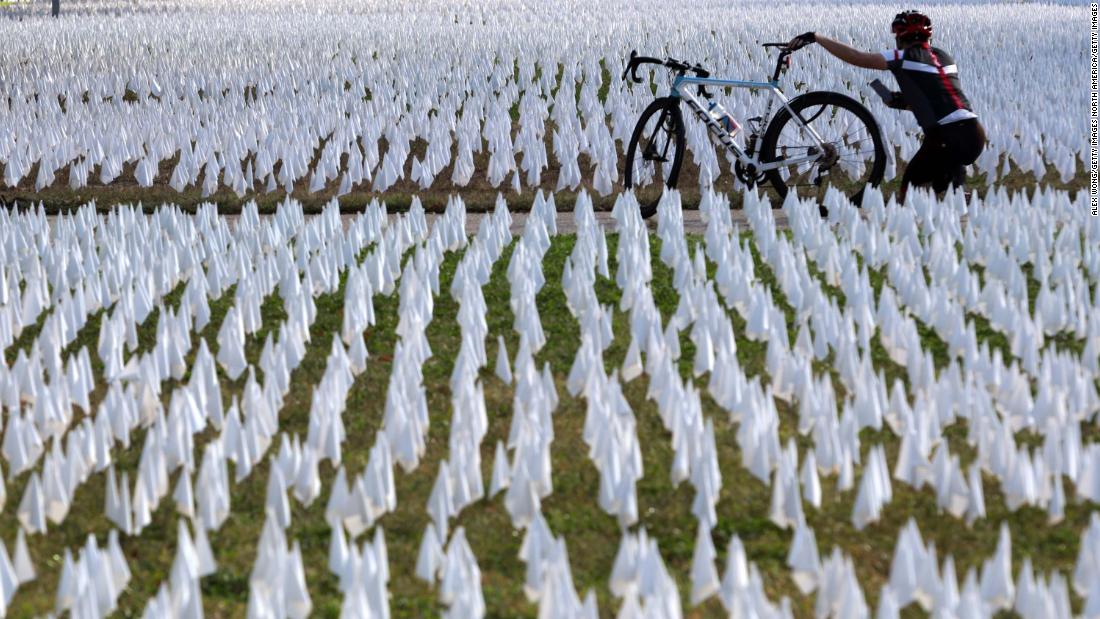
(629, 64)
(703, 73)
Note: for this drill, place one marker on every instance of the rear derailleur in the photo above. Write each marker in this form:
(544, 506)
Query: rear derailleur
(829, 158)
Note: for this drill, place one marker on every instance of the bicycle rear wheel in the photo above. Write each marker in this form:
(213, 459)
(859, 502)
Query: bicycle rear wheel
(854, 154)
(655, 153)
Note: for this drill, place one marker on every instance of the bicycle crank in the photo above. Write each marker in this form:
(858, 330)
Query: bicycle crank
(650, 154)
(748, 175)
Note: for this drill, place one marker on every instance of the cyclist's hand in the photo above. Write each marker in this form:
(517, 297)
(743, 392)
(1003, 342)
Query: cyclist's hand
(801, 41)
(897, 102)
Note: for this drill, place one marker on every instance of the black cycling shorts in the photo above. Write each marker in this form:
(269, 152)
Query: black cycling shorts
(943, 155)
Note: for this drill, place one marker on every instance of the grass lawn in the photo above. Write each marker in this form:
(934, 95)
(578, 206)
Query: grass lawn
(571, 510)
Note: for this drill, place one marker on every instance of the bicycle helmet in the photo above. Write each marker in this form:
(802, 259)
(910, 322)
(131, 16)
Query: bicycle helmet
(909, 26)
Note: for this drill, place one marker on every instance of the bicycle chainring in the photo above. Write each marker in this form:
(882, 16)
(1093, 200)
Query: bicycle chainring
(743, 175)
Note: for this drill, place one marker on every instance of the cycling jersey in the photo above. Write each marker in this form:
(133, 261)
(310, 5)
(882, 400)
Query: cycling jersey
(929, 83)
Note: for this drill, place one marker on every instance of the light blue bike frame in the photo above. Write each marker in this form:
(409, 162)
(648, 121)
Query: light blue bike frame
(682, 87)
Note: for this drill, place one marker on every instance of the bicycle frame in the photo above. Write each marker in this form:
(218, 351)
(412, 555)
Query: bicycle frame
(681, 88)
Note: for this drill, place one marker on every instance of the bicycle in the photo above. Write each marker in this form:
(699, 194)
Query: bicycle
(809, 152)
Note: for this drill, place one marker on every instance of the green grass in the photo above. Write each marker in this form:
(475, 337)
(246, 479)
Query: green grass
(592, 536)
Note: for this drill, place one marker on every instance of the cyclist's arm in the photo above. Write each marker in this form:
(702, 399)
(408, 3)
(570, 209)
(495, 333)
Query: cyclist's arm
(866, 60)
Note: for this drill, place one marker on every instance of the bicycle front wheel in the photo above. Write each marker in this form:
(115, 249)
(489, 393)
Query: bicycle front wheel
(853, 158)
(655, 153)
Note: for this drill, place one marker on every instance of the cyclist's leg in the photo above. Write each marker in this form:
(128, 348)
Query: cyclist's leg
(978, 145)
(975, 141)
(924, 167)
(963, 142)
(949, 167)
(953, 175)
(958, 179)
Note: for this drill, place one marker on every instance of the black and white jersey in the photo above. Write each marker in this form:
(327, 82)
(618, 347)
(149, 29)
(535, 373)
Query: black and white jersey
(929, 83)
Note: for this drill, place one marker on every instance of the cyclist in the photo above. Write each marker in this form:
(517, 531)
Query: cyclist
(929, 82)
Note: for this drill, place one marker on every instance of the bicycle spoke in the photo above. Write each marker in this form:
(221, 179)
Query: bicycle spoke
(654, 157)
(668, 141)
(814, 117)
(865, 152)
(837, 127)
(647, 152)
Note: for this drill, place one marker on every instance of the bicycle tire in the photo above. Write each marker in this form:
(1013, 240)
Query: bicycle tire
(823, 98)
(666, 106)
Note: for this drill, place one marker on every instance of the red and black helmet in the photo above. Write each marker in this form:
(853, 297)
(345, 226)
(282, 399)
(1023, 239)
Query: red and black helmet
(912, 26)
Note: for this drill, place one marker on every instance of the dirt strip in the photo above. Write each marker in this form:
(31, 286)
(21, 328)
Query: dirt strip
(693, 222)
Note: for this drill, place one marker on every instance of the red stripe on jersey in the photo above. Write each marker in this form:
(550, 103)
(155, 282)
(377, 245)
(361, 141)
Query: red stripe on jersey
(943, 77)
